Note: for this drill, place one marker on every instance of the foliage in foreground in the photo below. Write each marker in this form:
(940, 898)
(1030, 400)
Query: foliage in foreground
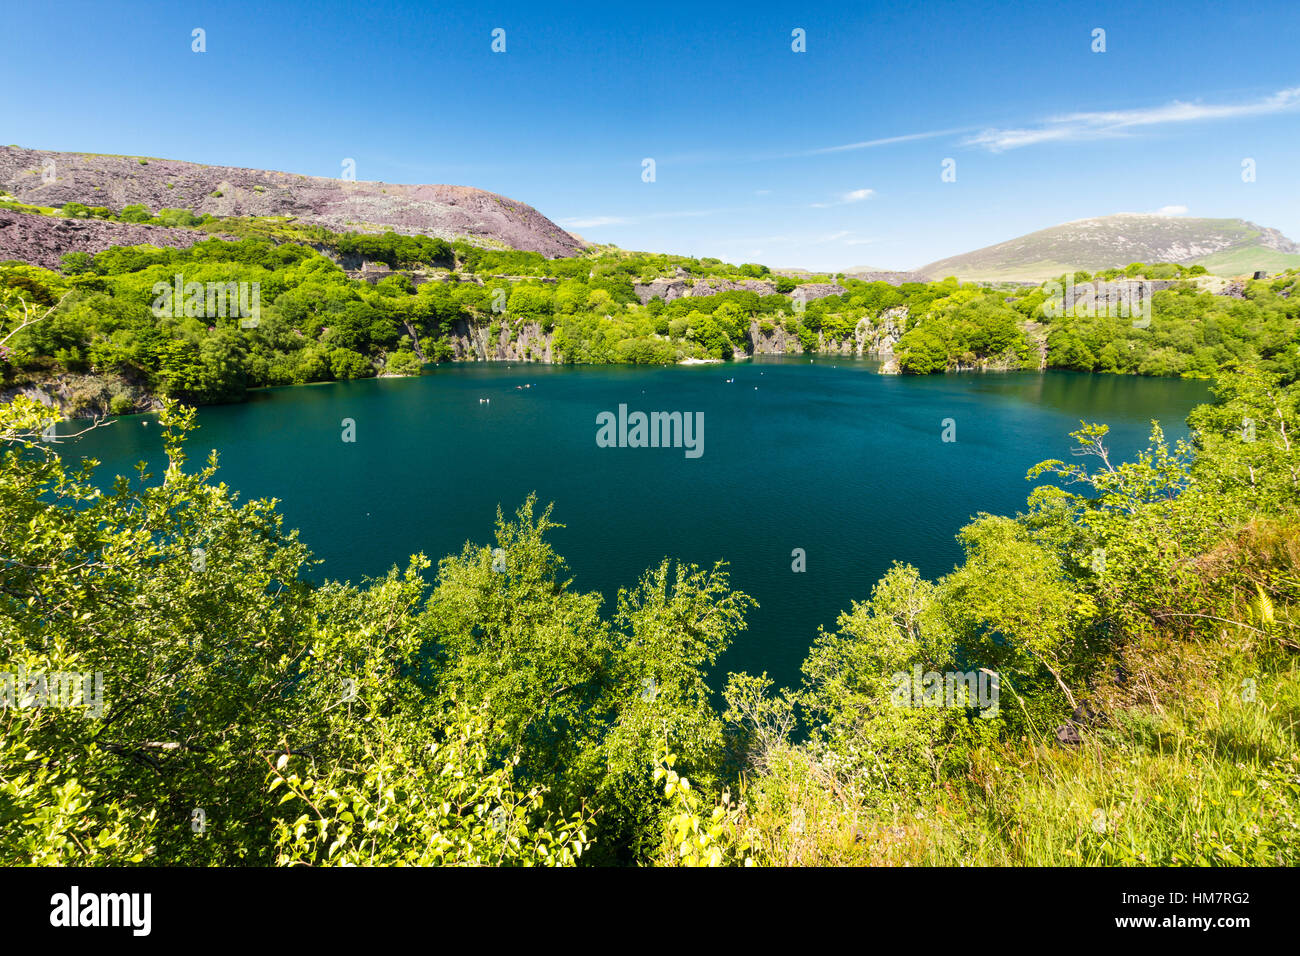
(491, 714)
(1151, 616)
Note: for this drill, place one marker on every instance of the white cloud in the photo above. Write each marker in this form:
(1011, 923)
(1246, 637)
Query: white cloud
(853, 195)
(1111, 123)
(1171, 211)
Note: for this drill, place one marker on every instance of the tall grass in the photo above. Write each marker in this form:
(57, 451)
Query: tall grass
(1209, 775)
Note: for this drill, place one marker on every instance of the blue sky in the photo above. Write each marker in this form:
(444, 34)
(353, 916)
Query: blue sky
(826, 158)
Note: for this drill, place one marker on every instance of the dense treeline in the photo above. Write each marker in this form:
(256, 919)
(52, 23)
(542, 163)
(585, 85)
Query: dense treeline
(1191, 334)
(1190, 331)
(316, 324)
(486, 712)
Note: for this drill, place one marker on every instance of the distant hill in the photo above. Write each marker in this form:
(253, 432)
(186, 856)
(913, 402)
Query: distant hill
(865, 273)
(445, 212)
(1223, 246)
(892, 276)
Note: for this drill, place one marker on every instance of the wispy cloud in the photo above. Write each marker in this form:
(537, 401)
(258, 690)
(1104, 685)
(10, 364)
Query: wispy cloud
(1111, 123)
(886, 141)
(854, 195)
(1171, 211)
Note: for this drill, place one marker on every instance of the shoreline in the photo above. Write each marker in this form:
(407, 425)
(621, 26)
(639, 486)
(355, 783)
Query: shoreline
(428, 368)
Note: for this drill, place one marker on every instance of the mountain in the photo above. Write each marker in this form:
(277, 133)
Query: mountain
(1223, 246)
(44, 178)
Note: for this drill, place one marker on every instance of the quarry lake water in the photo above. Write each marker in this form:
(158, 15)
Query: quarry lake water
(826, 456)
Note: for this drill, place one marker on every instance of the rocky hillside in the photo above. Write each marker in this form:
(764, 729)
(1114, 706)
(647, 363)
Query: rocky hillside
(869, 274)
(44, 240)
(46, 178)
(865, 273)
(1223, 246)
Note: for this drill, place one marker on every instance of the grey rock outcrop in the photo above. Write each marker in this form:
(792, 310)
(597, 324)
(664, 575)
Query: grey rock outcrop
(1112, 297)
(816, 290)
(680, 288)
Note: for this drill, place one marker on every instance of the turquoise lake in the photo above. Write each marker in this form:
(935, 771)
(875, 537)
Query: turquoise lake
(827, 456)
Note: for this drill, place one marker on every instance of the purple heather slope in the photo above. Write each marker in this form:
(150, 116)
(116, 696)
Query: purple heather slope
(447, 212)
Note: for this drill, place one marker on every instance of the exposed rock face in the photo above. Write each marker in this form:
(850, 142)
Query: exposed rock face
(44, 240)
(476, 343)
(816, 290)
(893, 278)
(48, 178)
(776, 342)
(81, 395)
(1112, 297)
(892, 324)
(869, 338)
(887, 331)
(531, 344)
(669, 289)
(678, 288)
